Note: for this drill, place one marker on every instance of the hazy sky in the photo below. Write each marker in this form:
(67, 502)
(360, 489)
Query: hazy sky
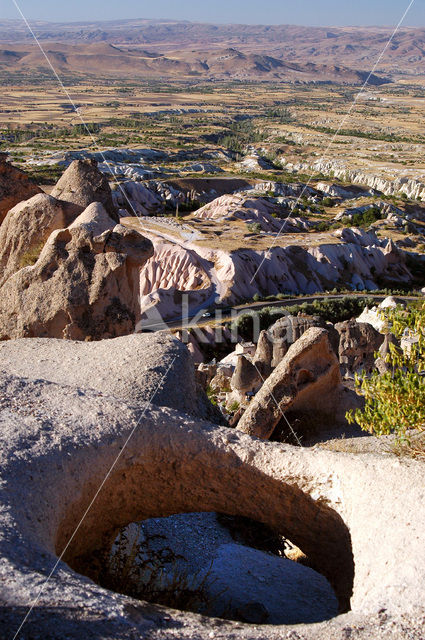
(309, 12)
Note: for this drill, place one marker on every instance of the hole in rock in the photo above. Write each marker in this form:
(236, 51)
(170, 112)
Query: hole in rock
(213, 539)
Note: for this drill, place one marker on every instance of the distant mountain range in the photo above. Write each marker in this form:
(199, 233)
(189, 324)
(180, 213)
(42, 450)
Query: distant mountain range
(171, 49)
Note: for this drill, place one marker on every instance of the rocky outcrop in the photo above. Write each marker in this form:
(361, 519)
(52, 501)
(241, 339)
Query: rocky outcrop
(137, 199)
(136, 368)
(15, 186)
(412, 188)
(288, 330)
(354, 260)
(344, 193)
(254, 162)
(84, 285)
(307, 379)
(83, 183)
(252, 210)
(221, 382)
(359, 341)
(26, 228)
(384, 351)
(58, 442)
(246, 378)
(264, 354)
(205, 373)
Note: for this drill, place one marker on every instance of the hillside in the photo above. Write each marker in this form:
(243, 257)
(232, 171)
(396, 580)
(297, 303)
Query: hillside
(222, 64)
(170, 48)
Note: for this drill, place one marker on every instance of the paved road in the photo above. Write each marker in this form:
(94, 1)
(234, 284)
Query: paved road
(228, 313)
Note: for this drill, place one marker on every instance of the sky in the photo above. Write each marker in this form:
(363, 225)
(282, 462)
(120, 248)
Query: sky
(306, 12)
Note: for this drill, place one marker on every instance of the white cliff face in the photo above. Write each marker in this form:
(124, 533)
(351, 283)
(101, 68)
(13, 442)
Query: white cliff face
(172, 269)
(336, 191)
(136, 197)
(251, 210)
(411, 187)
(237, 276)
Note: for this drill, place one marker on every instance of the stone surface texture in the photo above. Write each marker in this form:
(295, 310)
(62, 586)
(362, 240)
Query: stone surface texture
(82, 183)
(57, 444)
(308, 378)
(129, 367)
(84, 285)
(15, 186)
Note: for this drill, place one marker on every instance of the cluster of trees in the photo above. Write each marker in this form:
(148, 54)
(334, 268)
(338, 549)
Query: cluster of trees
(330, 309)
(239, 135)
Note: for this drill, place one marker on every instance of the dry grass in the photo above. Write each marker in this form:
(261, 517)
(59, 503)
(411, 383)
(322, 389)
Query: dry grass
(30, 257)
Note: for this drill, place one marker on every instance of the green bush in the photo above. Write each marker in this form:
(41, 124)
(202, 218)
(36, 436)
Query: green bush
(254, 227)
(395, 401)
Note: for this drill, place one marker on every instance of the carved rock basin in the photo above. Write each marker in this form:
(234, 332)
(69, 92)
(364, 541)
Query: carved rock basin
(359, 518)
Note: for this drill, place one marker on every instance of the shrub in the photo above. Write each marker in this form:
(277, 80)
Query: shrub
(254, 227)
(31, 256)
(395, 401)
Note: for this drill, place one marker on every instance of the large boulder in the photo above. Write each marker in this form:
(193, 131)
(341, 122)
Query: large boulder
(359, 341)
(26, 228)
(232, 580)
(15, 186)
(136, 368)
(308, 379)
(83, 183)
(83, 285)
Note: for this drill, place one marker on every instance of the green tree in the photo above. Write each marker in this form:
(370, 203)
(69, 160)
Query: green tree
(395, 400)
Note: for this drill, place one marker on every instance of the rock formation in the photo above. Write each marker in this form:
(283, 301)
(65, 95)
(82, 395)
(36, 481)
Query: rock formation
(246, 378)
(84, 285)
(242, 207)
(288, 330)
(264, 354)
(83, 183)
(181, 266)
(412, 188)
(15, 186)
(359, 341)
(135, 368)
(384, 350)
(26, 229)
(220, 382)
(57, 444)
(307, 379)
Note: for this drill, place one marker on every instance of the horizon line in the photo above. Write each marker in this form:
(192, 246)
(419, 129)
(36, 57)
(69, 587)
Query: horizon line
(206, 22)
